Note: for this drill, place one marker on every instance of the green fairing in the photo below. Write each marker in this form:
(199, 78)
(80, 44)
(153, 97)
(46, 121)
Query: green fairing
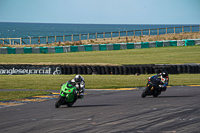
(68, 91)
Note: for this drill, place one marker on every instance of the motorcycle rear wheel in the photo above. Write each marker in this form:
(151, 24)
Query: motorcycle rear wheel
(70, 104)
(155, 94)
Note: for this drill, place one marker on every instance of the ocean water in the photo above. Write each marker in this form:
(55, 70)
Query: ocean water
(35, 30)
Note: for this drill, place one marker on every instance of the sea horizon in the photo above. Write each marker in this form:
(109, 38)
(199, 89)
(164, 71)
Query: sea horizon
(34, 30)
(100, 23)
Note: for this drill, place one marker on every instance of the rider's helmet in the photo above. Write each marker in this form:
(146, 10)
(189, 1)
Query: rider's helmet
(164, 76)
(77, 78)
(73, 82)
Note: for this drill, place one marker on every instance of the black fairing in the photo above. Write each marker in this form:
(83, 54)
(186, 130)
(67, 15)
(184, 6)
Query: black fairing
(154, 81)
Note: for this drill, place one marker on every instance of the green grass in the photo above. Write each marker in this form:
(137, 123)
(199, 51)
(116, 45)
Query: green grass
(9, 95)
(163, 55)
(53, 82)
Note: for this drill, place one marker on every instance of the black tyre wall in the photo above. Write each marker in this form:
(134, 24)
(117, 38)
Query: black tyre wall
(117, 70)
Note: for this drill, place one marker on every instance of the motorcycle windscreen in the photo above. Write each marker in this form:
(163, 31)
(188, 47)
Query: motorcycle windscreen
(155, 81)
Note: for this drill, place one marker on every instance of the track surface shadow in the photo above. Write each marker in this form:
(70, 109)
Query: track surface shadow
(168, 96)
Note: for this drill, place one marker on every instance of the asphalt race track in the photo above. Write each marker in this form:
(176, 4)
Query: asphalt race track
(174, 111)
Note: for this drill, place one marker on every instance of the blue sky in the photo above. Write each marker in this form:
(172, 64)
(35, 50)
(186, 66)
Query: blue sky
(101, 11)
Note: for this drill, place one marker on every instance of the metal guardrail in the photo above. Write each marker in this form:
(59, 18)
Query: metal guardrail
(95, 36)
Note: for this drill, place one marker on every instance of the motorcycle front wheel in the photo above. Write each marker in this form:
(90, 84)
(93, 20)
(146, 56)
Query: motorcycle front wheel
(145, 92)
(70, 104)
(59, 102)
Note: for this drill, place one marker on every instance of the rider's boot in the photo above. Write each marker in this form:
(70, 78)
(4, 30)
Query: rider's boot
(81, 96)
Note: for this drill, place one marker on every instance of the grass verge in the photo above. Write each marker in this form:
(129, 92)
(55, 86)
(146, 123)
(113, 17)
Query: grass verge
(53, 82)
(162, 55)
(9, 95)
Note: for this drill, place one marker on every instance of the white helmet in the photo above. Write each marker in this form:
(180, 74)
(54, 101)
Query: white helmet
(72, 80)
(77, 78)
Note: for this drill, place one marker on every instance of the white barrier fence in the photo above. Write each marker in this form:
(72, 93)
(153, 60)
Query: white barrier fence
(98, 47)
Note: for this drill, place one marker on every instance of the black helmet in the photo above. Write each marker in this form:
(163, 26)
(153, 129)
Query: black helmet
(164, 74)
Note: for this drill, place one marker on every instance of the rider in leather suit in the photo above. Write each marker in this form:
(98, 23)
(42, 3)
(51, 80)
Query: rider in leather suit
(163, 78)
(79, 83)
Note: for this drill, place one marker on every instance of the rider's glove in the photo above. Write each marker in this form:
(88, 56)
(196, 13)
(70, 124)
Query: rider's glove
(161, 86)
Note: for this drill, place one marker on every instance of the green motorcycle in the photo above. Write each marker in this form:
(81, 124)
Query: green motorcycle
(68, 95)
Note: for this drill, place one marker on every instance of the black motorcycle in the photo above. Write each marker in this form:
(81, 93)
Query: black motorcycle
(152, 87)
